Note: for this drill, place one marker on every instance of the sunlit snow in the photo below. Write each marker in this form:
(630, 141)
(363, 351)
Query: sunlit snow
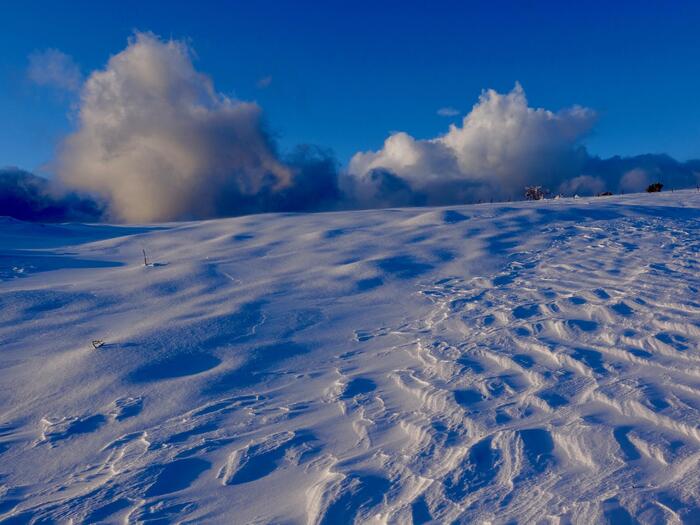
(513, 362)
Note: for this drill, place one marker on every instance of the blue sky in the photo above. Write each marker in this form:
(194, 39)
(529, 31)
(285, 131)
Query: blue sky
(345, 74)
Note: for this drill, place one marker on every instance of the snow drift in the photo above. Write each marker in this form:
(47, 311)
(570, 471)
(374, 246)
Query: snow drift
(490, 363)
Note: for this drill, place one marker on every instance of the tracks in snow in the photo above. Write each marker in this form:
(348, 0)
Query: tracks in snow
(566, 386)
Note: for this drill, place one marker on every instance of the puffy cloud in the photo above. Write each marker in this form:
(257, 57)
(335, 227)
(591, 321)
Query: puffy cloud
(155, 141)
(28, 197)
(159, 143)
(54, 68)
(501, 146)
(448, 112)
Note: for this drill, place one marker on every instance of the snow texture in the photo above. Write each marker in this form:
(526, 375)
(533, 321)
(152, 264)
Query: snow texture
(508, 363)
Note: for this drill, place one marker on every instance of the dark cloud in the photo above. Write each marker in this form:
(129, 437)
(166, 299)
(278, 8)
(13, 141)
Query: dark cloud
(28, 197)
(380, 188)
(314, 187)
(634, 174)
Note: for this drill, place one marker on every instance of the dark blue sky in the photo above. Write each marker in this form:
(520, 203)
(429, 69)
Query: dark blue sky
(345, 74)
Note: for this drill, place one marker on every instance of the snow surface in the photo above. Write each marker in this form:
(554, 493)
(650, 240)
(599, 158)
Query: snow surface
(528, 362)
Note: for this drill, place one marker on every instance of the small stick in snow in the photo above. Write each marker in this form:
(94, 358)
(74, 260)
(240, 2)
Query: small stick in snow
(145, 259)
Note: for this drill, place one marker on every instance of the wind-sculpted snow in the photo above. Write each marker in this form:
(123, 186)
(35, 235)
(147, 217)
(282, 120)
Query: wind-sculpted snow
(521, 363)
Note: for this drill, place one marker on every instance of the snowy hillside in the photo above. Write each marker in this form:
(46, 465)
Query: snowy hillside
(527, 362)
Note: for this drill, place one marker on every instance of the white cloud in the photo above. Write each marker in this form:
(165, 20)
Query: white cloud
(448, 112)
(54, 68)
(156, 142)
(635, 180)
(501, 146)
(159, 143)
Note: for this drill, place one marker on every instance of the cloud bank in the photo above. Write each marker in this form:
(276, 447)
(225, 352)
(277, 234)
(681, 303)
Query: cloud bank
(27, 197)
(502, 146)
(158, 142)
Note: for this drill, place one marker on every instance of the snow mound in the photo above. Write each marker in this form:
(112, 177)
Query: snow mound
(522, 362)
